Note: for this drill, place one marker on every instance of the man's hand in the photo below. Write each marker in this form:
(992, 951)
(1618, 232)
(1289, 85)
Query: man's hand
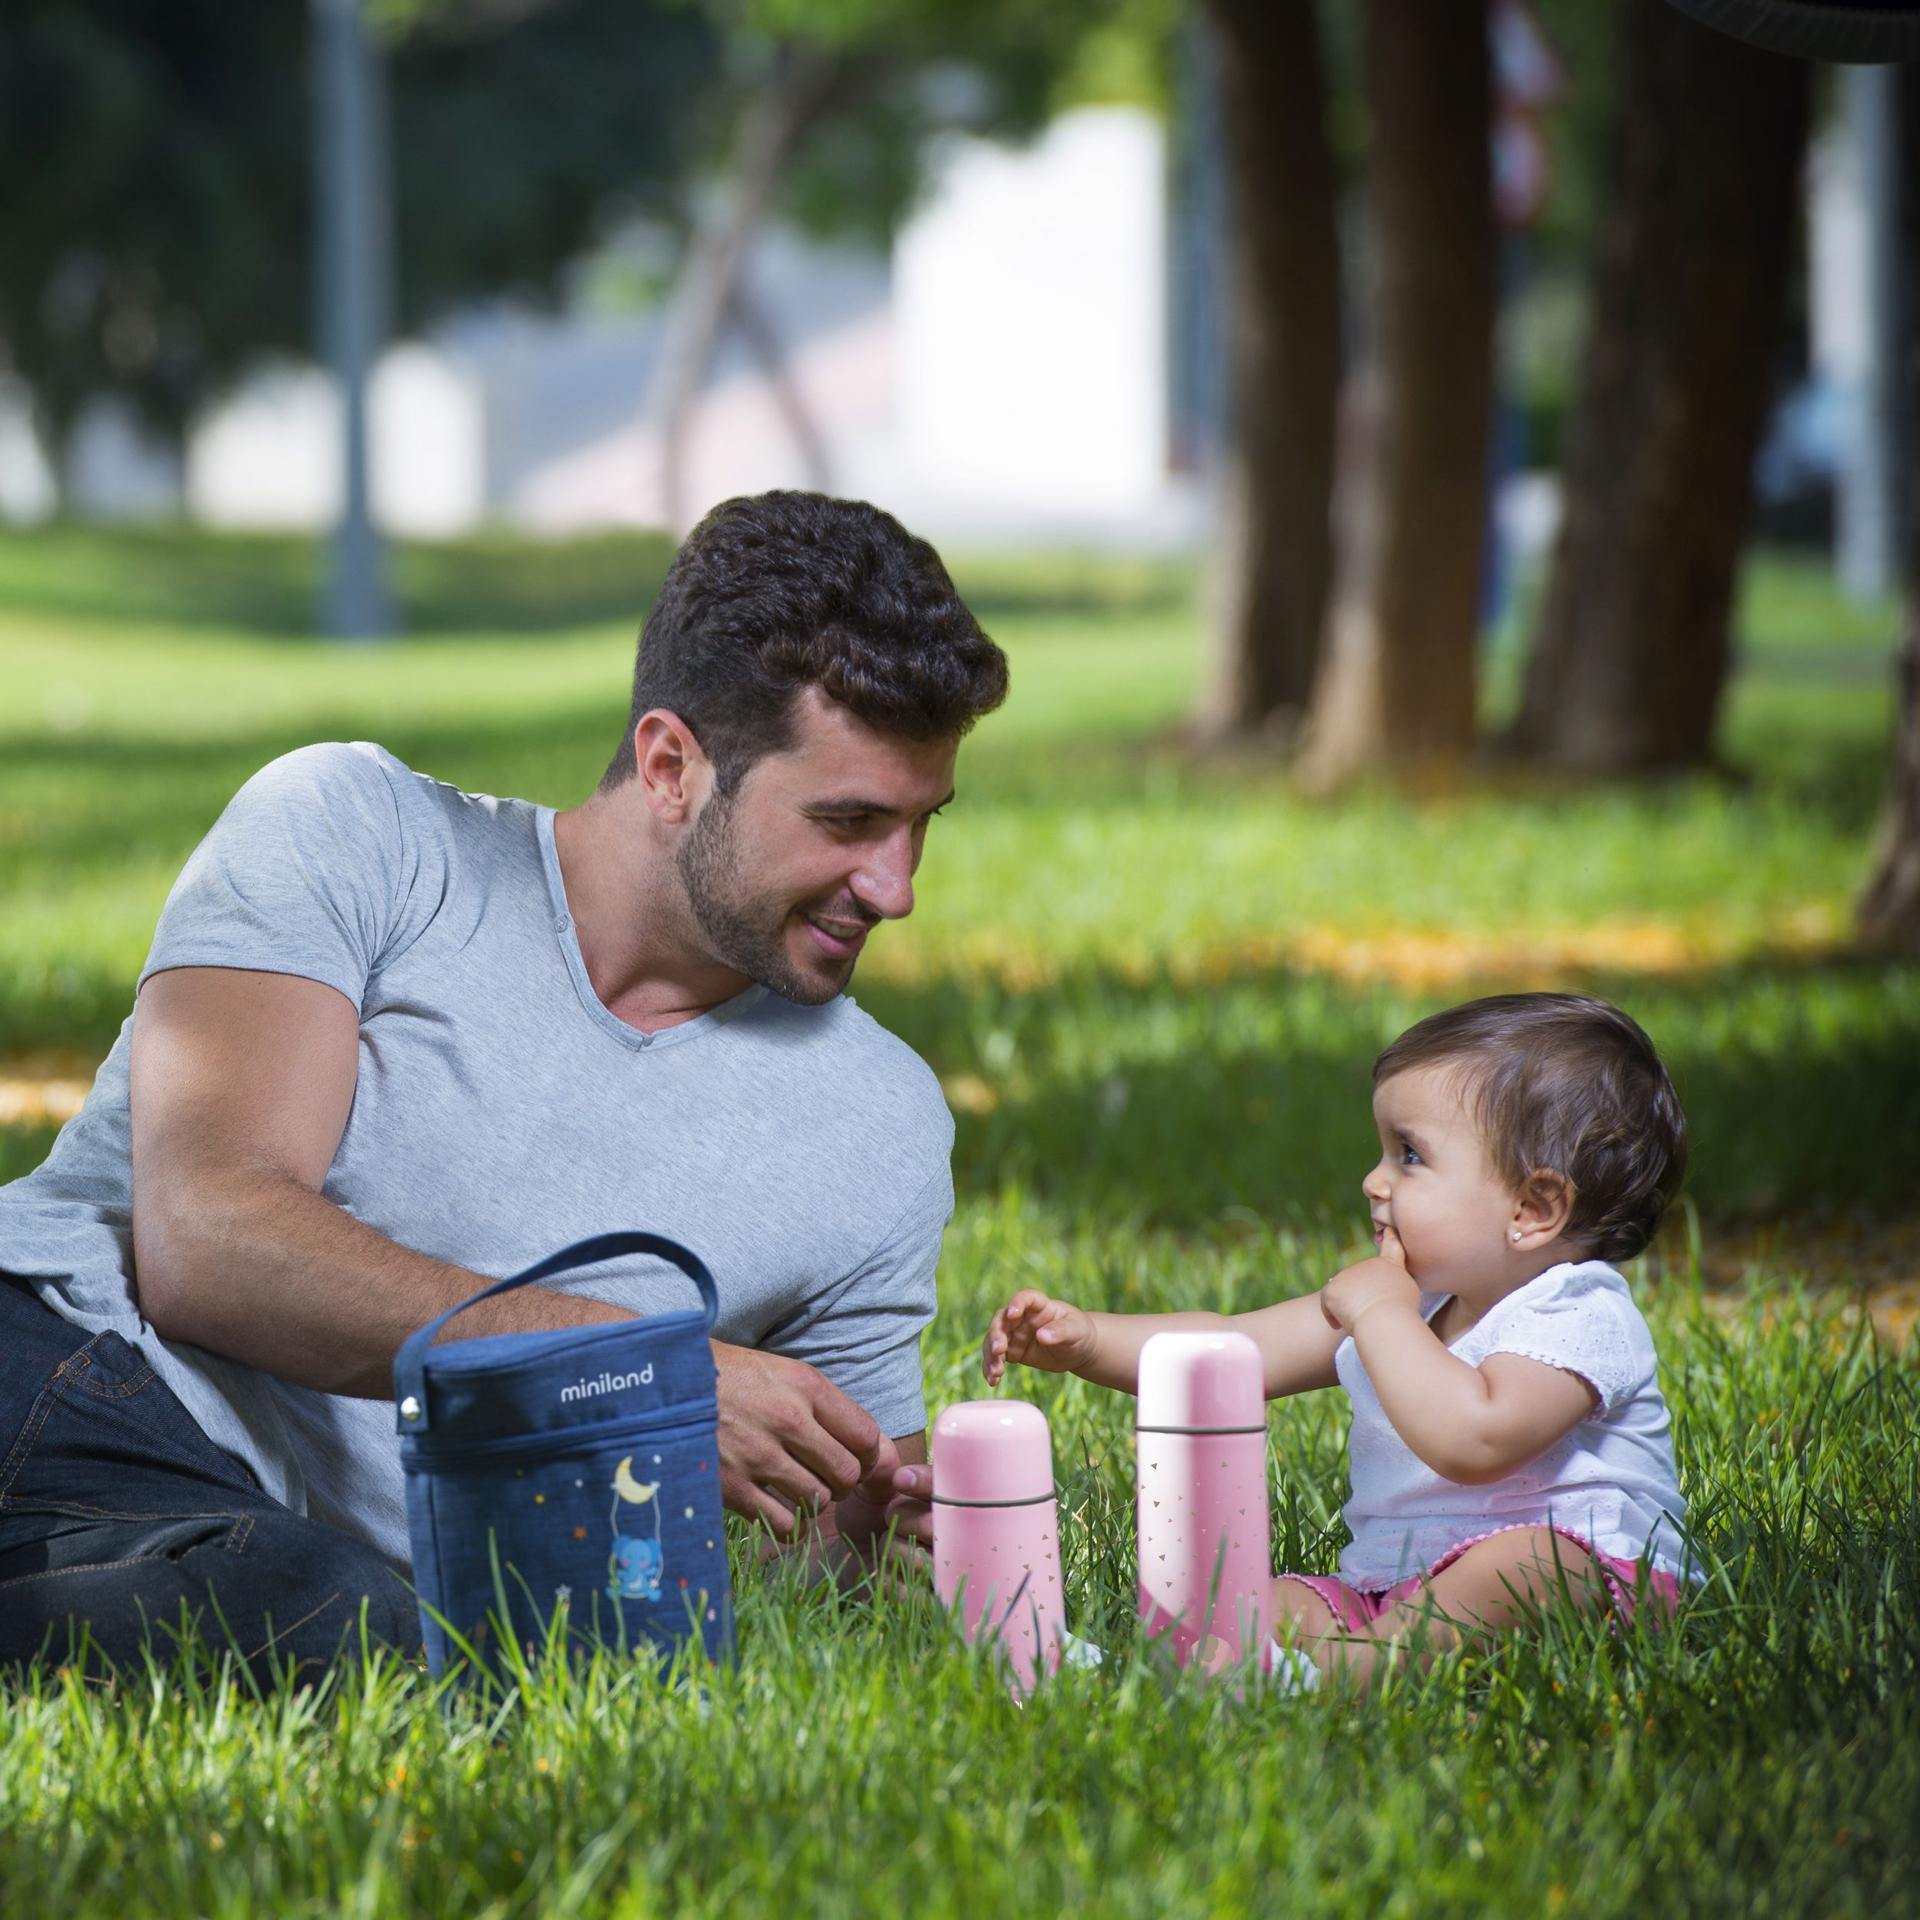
(878, 1537)
(1357, 1289)
(1033, 1330)
(888, 1517)
(791, 1442)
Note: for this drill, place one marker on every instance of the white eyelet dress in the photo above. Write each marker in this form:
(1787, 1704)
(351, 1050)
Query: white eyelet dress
(1611, 1482)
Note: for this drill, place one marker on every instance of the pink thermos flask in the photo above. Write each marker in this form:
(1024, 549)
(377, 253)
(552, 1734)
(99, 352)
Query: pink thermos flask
(996, 1533)
(1202, 1468)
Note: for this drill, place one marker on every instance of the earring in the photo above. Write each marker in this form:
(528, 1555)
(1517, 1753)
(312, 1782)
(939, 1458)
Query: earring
(1516, 1233)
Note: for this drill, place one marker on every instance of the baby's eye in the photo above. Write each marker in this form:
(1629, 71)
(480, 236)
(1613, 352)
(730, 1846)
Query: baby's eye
(1409, 1156)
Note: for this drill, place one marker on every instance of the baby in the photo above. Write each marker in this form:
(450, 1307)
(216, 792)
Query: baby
(1509, 1438)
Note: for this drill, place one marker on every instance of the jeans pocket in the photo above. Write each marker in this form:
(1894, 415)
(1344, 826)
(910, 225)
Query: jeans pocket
(106, 1429)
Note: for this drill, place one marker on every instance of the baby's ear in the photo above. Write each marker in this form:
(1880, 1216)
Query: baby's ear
(1543, 1206)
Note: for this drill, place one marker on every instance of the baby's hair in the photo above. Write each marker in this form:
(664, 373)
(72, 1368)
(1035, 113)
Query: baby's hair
(1560, 1083)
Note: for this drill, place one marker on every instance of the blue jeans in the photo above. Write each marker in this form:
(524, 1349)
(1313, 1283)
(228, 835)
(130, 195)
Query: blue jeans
(118, 1514)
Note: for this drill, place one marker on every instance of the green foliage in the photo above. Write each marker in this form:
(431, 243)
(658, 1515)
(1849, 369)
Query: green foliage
(524, 135)
(164, 145)
(165, 245)
(915, 70)
(1161, 1081)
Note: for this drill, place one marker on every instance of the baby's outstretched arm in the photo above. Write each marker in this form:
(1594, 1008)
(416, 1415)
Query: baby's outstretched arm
(1033, 1329)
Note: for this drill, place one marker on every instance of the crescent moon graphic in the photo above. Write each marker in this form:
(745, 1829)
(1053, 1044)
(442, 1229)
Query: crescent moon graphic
(628, 1488)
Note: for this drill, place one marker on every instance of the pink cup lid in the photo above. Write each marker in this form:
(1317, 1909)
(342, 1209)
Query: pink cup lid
(1202, 1380)
(992, 1450)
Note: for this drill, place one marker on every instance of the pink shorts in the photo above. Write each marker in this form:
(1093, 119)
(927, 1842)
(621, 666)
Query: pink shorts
(1354, 1607)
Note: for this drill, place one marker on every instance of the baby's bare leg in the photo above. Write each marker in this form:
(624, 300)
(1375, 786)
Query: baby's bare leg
(1494, 1586)
(1300, 1617)
(1298, 1614)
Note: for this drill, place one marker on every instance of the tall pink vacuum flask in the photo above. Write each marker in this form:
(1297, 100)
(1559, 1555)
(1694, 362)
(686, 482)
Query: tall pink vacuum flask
(1202, 1468)
(996, 1533)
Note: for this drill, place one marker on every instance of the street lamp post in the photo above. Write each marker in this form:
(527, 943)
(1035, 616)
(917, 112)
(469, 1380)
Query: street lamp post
(1868, 501)
(350, 294)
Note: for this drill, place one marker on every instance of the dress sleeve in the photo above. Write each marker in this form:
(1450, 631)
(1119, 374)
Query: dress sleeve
(1584, 1322)
(304, 873)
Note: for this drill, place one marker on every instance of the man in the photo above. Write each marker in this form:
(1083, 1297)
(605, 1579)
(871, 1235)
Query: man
(393, 1038)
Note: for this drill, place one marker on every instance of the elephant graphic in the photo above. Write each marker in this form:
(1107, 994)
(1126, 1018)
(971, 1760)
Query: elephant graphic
(636, 1563)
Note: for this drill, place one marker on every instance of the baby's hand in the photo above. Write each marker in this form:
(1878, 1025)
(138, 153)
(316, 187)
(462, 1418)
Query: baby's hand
(1368, 1282)
(1035, 1331)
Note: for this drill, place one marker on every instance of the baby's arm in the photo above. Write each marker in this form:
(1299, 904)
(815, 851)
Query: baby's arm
(1469, 1424)
(1032, 1329)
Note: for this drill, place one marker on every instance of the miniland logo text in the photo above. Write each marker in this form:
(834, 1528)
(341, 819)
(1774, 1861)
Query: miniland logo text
(608, 1383)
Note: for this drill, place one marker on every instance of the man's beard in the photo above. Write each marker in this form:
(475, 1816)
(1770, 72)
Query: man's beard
(746, 932)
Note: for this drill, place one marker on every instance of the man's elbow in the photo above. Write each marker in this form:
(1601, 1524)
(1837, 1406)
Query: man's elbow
(162, 1273)
(175, 1232)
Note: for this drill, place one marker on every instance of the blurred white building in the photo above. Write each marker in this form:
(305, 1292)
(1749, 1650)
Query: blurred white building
(1003, 375)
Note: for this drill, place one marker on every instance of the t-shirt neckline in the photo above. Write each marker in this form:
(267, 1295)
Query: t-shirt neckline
(1460, 1339)
(567, 937)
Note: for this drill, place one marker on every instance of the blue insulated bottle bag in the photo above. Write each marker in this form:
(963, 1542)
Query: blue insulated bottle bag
(581, 1464)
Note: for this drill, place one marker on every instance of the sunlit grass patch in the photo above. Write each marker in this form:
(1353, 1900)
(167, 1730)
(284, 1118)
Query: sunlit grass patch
(1762, 1754)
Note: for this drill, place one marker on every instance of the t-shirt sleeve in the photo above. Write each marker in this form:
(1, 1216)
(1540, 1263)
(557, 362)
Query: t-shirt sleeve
(1585, 1325)
(304, 873)
(865, 1336)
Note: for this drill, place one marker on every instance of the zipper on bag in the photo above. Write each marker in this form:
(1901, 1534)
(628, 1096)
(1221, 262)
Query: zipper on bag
(694, 1419)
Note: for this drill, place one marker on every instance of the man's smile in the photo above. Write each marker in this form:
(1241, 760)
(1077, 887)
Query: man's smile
(839, 939)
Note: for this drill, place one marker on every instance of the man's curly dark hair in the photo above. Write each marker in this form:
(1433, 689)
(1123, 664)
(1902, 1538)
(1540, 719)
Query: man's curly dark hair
(774, 592)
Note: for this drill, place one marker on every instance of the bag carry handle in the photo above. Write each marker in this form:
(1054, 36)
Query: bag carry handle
(409, 1364)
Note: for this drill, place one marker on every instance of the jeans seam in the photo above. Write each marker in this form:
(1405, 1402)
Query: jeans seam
(312, 1613)
(236, 1541)
(80, 1509)
(92, 1566)
(125, 1390)
(43, 1407)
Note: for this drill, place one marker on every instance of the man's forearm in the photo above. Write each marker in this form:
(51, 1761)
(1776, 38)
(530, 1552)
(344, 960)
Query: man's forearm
(254, 1266)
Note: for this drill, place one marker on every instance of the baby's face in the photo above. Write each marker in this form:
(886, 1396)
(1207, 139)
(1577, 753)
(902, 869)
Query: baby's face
(1434, 1185)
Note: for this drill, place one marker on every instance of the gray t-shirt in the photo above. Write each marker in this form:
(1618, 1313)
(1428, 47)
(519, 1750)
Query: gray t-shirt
(501, 1111)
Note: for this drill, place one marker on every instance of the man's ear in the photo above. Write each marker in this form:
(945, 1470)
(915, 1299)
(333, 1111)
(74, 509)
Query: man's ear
(1541, 1209)
(674, 772)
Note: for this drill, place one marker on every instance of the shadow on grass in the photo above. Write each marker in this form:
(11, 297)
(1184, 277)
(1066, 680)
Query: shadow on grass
(1172, 1104)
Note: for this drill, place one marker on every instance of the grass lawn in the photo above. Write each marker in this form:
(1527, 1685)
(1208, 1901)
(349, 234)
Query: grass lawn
(1153, 989)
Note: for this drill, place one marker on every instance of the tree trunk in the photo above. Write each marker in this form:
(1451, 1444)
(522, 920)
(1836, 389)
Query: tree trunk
(1890, 906)
(1396, 690)
(1630, 654)
(777, 118)
(770, 355)
(1283, 339)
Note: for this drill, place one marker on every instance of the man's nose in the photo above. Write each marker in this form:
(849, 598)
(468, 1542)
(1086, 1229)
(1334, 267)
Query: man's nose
(884, 883)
